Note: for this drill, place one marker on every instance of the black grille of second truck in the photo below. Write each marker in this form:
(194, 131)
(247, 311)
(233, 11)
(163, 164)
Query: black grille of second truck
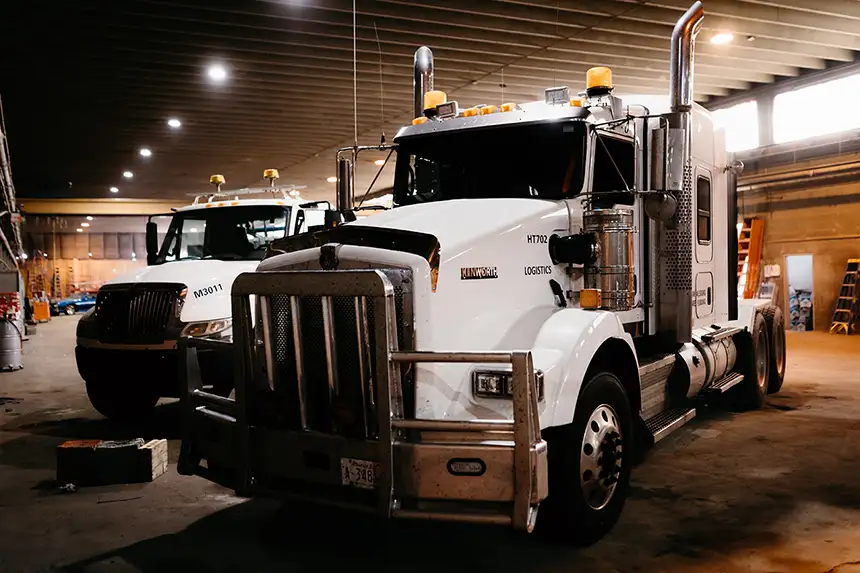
(136, 314)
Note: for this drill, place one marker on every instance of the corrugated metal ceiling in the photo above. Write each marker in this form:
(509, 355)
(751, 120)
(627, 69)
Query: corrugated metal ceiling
(85, 84)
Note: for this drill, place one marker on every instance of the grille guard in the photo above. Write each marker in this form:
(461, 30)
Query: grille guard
(227, 441)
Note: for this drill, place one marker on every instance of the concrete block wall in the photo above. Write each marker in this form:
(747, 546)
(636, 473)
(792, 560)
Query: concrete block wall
(814, 216)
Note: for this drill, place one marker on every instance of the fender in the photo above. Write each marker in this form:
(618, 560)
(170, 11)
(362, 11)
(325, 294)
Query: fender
(747, 308)
(569, 339)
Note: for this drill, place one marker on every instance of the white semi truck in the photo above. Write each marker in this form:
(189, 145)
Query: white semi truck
(553, 291)
(126, 344)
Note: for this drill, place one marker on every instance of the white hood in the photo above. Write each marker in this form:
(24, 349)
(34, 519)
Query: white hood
(209, 283)
(458, 223)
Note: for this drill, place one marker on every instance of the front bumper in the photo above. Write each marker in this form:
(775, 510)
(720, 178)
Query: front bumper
(154, 367)
(478, 471)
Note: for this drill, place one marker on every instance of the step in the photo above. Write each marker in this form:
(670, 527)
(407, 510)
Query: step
(668, 421)
(725, 383)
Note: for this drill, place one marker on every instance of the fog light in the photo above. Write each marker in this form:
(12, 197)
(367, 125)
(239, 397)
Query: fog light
(499, 384)
(491, 384)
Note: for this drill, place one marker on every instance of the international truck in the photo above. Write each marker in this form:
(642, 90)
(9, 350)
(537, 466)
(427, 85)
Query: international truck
(126, 343)
(553, 292)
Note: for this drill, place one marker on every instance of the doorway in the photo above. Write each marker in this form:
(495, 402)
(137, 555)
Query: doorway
(798, 277)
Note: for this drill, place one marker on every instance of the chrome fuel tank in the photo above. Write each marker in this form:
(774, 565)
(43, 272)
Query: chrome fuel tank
(613, 268)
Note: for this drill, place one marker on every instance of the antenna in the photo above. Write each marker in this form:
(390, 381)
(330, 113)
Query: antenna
(381, 88)
(354, 77)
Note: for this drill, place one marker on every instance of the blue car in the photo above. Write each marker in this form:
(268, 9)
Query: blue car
(81, 301)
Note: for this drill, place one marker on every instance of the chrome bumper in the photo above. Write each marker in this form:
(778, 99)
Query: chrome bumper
(477, 471)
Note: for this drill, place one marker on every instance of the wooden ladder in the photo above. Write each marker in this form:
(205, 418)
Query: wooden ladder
(847, 304)
(750, 244)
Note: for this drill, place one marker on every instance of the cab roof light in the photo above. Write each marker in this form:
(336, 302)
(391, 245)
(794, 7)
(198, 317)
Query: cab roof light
(488, 109)
(557, 96)
(447, 110)
(419, 120)
(434, 98)
(576, 102)
(598, 81)
(471, 111)
(507, 107)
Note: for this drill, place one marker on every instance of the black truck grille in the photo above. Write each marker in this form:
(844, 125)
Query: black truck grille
(136, 314)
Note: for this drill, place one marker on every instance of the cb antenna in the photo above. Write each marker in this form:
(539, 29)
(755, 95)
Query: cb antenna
(381, 88)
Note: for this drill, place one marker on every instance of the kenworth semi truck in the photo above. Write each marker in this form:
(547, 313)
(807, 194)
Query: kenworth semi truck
(126, 344)
(553, 291)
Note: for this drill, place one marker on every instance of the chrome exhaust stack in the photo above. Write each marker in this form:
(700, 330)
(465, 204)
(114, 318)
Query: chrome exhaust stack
(681, 58)
(676, 266)
(422, 81)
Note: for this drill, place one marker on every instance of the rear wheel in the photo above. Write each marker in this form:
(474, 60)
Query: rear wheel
(121, 401)
(589, 465)
(70, 309)
(754, 363)
(775, 322)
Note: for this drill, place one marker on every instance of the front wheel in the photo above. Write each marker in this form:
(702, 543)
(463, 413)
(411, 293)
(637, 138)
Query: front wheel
(589, 464)
(121, 401)
(70, 310)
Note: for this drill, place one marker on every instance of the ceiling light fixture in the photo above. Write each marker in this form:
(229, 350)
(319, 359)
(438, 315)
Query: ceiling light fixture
(379, 162)
(114, 190)
(722, 38)
(79, 230)
(217, 72)
(332, 179)
(90, 254)
(174, 123)
(85, 224)
(127, 174)
(145, 152)
(89, 217)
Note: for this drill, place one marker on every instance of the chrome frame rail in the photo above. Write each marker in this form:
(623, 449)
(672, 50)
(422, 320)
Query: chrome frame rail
(514, 449)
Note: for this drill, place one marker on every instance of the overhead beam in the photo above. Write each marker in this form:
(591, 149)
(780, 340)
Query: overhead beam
(115, 206)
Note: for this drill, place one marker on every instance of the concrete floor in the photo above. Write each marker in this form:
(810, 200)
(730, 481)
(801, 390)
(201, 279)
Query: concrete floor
(770, 491)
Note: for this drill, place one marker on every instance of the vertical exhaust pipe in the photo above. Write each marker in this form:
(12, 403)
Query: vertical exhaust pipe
(422, 81)
(681, 58)
(676, 299)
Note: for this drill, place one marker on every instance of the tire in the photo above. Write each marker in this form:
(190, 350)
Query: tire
(575, 513)
(69, 310)
(754, 364)
(121, 402)
(775, 322)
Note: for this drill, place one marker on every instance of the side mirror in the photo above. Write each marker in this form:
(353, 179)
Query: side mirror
(151, 242)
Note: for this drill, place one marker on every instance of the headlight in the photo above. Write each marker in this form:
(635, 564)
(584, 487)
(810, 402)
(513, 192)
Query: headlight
(499, 384)
(209, 328)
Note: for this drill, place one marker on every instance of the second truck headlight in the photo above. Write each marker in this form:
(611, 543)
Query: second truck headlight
(209, 328)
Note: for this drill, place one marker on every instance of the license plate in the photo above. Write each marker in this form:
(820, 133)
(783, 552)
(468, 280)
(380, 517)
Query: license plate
(358, 473)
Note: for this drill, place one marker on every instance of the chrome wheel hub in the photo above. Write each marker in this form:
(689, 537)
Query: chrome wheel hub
(601, 457)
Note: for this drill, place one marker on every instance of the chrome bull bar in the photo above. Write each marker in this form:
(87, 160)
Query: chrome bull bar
(483, 471)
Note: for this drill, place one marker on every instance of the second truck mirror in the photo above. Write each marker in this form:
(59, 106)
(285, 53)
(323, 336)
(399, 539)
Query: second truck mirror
(151, 242)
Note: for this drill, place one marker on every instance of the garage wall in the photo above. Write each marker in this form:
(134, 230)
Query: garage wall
(101, 245)
(812, 214)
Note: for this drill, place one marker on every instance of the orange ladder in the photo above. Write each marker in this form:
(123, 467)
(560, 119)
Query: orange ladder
(847, 304)
(750, 245)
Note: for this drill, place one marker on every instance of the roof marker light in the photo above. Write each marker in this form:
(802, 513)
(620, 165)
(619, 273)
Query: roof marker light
(488, 109)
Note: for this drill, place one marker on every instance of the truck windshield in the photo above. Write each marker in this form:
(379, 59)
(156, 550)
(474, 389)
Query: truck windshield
(226, 233)
(542, 160)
